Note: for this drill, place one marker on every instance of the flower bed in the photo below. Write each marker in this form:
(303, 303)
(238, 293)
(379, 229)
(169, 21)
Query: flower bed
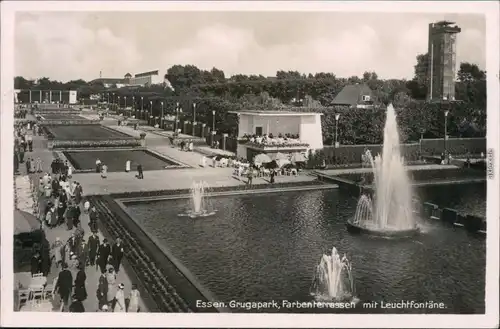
(278, 145)
(144, 194)
(75, 144)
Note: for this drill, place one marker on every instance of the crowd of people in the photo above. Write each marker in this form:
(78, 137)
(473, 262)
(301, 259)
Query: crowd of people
(61, 202)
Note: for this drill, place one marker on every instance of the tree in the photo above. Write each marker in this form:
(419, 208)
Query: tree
(469, 73)
(420, 82)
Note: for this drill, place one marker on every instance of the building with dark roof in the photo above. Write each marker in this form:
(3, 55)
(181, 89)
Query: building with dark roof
(357, 95)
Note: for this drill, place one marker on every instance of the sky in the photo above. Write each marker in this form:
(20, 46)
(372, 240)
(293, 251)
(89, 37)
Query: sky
(72, 45)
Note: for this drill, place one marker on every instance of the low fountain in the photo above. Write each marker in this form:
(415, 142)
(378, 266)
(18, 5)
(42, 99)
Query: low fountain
(199, 205)
(389, 211)
(333, 280)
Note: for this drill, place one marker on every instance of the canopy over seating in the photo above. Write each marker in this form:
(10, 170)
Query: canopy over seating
(24, 222)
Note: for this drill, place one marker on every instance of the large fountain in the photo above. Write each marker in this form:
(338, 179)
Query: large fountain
(389, 211)
(199, 204)
(333, 278)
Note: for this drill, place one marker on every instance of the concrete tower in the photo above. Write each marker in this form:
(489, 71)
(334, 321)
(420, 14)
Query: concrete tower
(442, 60)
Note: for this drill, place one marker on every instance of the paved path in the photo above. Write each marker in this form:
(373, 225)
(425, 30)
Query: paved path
(91, 302)
(363, 170)
(174, 179)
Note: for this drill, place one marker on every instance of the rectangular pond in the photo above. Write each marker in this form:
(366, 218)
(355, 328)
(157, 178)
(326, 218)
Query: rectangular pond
(85, 132)
(266, 247)
(116, 160)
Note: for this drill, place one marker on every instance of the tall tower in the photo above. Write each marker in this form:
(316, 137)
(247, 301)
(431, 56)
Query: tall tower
(442, 60)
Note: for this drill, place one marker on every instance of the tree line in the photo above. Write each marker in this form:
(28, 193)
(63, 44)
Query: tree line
(211, 90)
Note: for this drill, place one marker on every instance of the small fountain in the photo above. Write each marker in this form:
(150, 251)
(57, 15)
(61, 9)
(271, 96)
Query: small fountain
(389, 213)
(333, 279)
(199, 206)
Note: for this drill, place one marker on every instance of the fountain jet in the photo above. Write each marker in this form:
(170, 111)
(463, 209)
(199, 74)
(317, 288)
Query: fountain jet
(200, 206)
(390, 210)
(333, 278)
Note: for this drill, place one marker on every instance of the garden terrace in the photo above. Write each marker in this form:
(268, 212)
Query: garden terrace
(84, 132)
(84, 161)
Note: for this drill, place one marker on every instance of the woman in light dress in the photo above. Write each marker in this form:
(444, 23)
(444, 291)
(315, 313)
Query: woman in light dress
(203, 161)
(120, 299)
(127, 166)
(133, 305)
(70, 171)
(111, 277)
(104, 171)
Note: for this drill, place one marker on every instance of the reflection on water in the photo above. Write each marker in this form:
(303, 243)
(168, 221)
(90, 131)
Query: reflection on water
(264, 247)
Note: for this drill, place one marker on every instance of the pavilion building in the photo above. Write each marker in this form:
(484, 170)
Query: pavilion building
(271, 132)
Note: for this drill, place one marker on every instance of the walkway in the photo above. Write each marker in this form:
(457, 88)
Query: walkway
(170, 179)
(90, 303)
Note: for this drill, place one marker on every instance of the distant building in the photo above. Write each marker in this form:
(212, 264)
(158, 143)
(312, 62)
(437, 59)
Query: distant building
(45, 96)
(138, 80)
(147, 78)
(111, 82)
(356, 95)
(302, 128)
(442, 49)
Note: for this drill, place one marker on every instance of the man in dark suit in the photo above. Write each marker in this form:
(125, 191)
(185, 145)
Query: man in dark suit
(93, 244)
(103, 255)
(64, 285)
(117, 254)
(140, 173)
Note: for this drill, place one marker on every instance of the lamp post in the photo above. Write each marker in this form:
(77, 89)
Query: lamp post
(337, 117)
(114, 99)
(161, 118)
(133, 105)
(213, 127)
(445, 134)
(151, 108)
(108, 99)
(194, 119)
(119, 103)
(142, 104)
(422, 132)
(125, 107)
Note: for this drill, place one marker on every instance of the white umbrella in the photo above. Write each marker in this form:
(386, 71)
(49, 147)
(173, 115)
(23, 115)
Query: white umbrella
(282, 162)
(262, 158)
(280, 156)
(298, 157)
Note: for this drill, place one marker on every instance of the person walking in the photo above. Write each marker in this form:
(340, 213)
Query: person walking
(57, 250)
(127, 166)
(104, 171)
(111, 277)
(93, 245)
(133, 305)
(117, 254)
(93, 218)
(140, 173)
(80, 293)
(103, 255)
(38, 165)
(120, 299)
(102, 291)
(64, 285)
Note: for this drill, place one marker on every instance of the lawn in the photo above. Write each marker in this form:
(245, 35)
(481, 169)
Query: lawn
(85, 132)
(115, 160)
(62, 117)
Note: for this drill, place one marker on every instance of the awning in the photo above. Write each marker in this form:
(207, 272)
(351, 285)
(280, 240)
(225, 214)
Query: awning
(24, 222)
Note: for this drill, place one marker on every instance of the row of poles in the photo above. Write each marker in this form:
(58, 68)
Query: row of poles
(178, 110)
